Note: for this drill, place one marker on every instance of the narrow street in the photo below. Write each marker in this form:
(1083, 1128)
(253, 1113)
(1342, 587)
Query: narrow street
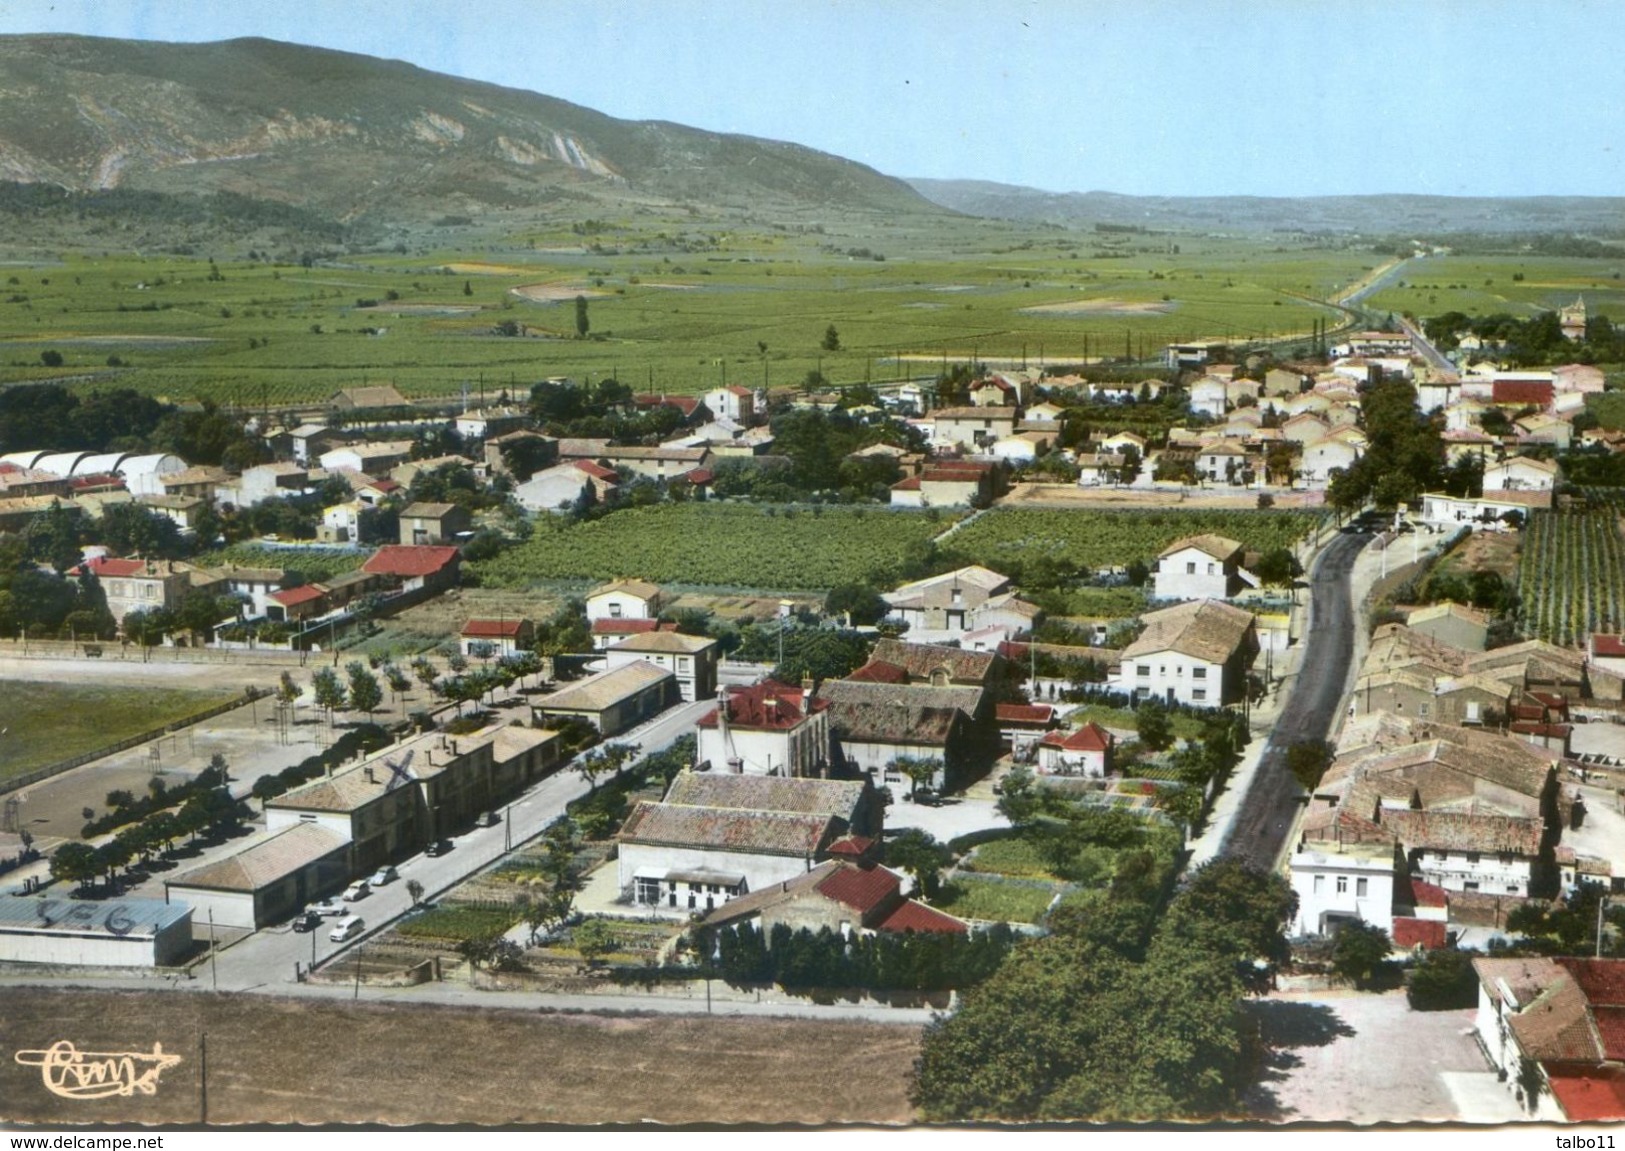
(1269, 808)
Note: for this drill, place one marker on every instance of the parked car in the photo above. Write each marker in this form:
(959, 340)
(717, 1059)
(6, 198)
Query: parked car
(323, 907)
(438, 847)
(360, 889)
(306, 921)
(384, 875)
(346, 929)
(490, 819)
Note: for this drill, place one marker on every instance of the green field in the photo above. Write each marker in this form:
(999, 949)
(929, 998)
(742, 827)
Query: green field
(727, 545)
(1101, 539)
(971, 898)
(50, 722)
(314, 563)
(1482, 285)
(671, 308)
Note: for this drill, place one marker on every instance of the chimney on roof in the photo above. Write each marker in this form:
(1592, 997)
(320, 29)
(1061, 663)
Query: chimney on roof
(808, 685)
(369, 775)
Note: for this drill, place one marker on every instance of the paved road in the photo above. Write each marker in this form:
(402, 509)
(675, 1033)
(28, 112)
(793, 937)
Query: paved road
(1425, 348)
(266, 959)
(1269, 809)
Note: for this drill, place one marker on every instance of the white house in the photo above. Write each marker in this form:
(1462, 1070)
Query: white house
(624, 599)
(717, 836)
(769, 728)
(1520, 473)
(1200, 567)
(1324, 458)
(1208, 395)
(1340, 883)
(691, 658)
(1194, 653)
(553, 489)
(735, 404)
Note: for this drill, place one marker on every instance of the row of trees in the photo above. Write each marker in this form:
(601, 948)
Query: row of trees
(929, 961)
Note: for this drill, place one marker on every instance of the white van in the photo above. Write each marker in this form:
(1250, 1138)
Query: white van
(347, 929)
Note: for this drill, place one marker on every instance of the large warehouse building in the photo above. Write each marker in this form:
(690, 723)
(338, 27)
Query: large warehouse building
(85, 933)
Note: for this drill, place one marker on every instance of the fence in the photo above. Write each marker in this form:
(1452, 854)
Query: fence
(134, 653)
(60, 766)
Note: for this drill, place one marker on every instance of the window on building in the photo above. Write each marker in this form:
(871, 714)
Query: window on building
(1142, 693)
(1190, 569)
(1342, 884)
(1143, 669)
(1212, 569)
(1198, 673)
(1198, 693)
(614, 611)
(1360, 887)
(1320, 883)
(1512, 889)
(1469, 887)
(1505, 858)
(648, 890)
(1440, 855)
(1422, 710)
(1472, 857)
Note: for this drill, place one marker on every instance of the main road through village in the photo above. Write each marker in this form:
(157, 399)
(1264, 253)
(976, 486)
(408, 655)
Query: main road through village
(1269, 810)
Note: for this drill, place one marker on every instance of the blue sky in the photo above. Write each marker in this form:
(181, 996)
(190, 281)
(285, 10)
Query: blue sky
(1149, 97)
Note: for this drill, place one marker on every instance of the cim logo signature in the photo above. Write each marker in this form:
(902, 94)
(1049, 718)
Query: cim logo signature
(75, 1074)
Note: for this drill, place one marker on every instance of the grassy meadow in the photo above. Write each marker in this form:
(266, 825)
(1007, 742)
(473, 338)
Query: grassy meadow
(1481, 285)
(49, 722)
(670, 307)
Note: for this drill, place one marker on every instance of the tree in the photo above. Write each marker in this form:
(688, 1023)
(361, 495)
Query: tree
(328, 691)
(1308, 760)
(919, 769)
(918, 853)
(1152, 725)
(1359, 951)
(51, 358)
(594, 939)
(832, 339)
(1278, 567)
(582, 323)
(414, 888)
(1444, 980)
(365, 694)
(75, 863)
(860, 603)
(468, 288)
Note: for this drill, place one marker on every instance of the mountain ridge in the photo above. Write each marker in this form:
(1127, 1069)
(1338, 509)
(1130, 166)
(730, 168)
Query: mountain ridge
(356, 135)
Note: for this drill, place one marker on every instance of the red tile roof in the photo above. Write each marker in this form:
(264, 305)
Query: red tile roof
(912, 484)
(501, 628)
(911, 916)
(1521, 392)
(597, 470)
(624, 626)
(1024, 713)
(1419, 894)
(879, 671)
(288, 597)
(860, 888)
(406, 561)
(768, 704)
(1588, 1094)
(108, 566)
(1612, 646)
(1603, 980)
(851, 846)
(684, 404)
(700, 476)
(1089, 737)
(1429, 933)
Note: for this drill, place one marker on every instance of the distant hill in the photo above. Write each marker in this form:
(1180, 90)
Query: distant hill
(1384, 215)
(354, 138)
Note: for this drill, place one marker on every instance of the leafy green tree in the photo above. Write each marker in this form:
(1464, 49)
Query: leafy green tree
(1444, 980)
(75, 863)
(414, 889)
(918, 853)
(594, 939)
(1308, 760)
(328, 691)
(832, 339)
(1278, 567)
(365, 694)
(1153, 726)
(583, 325)
(919, 769)
(861, 603)
(1359, 951)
